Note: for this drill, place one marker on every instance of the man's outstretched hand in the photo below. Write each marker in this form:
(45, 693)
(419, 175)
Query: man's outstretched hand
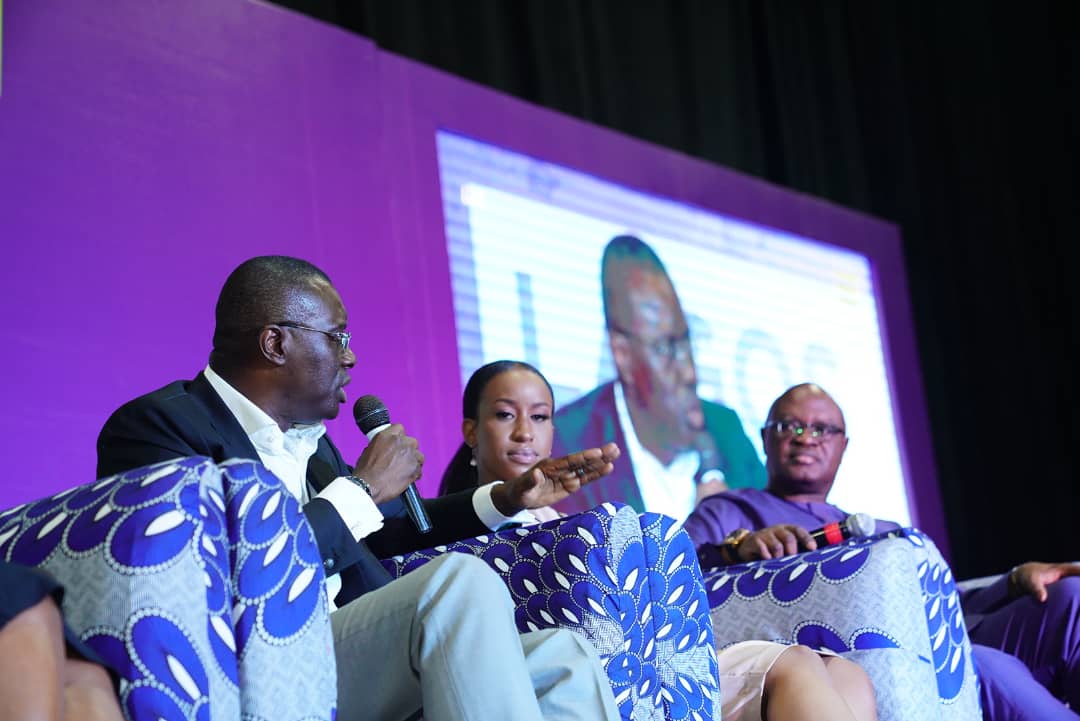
(1033, 577)
(553, 479)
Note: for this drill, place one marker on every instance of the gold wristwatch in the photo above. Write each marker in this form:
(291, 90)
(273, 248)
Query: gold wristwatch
(729, 549)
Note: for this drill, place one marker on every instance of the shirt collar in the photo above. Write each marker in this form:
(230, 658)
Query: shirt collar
(257, 423)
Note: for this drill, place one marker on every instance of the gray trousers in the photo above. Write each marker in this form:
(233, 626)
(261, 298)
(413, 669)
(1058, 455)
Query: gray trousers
(443, 638)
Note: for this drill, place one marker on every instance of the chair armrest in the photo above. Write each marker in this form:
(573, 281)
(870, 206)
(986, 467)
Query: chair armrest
(636, 596)
(892, 592)
(152, 561)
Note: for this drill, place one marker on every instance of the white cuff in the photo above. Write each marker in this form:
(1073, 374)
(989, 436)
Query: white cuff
(356, 508)
(490, 516)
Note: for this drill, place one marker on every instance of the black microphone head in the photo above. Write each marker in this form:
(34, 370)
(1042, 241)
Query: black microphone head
(370, 413)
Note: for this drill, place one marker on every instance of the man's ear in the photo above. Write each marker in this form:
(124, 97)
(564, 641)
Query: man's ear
(468, 432)
(620, 355)
(272, 344)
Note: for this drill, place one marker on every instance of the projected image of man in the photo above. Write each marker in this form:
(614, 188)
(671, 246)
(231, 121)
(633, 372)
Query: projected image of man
(681, 447)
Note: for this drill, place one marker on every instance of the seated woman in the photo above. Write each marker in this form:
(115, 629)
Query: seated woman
(45, 671)
(507, 429)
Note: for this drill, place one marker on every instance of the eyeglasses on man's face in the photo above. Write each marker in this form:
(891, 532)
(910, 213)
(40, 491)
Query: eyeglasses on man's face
(340, 336)
(791, 428)
(667, 349)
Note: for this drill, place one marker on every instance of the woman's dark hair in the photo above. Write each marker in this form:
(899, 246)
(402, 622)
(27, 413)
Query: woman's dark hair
(459, 474)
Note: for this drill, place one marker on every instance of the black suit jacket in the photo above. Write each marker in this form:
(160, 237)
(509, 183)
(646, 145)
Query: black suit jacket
(188, 418)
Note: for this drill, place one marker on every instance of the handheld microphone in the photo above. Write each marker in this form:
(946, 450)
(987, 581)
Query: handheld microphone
(373, 418)
(712, 464)
(854, 526)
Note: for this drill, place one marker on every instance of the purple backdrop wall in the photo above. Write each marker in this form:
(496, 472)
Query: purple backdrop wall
(144, 154)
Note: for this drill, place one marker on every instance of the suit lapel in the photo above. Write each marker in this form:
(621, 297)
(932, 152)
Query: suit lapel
(234, 442)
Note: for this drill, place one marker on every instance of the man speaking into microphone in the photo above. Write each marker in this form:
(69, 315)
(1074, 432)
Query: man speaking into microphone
(442, 638)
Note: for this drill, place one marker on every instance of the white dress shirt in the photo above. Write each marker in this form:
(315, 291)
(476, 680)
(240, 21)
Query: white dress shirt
(664, 489)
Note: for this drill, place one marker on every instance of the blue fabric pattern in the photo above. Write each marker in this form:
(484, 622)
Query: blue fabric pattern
(888, 601)
(157, 563)
(629, 584)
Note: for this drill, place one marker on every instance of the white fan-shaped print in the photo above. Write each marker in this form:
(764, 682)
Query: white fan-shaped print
(238, 611)
(590, 538)
(577, 563)
(482, 539)
(271, 505)
(224, 631)
(206, 579)
(532, 626)
(102, 483)
(675, 595)
(719, 583)
(696, 715)
(671, 531)
(921, 570)
(105, 510)
(611, 575)
(157, 475)
(683, 643)
(647, 652)
(643, 689)
(685, 683)
(701, 637)
(595, 605)
(208, 545)
(647, 613)
(547, 617)
(52, 524)
(956, 659)
(934, 608)
(275, 548)
(502, 565)
(848, 555)
(529, 585)
(623, 695)
(5, 535)
(216, 498)
(570, 616)
(540, 550)
(249, 497)
(183, 677)
(798, 571)
(676, 562)
(440, 549)
(691, 610)
(165, 522)
(667, 695)
(562, 580)
(609, 507)
(759, 573)
(939, 638)
(631, 580)
(202, 511)
(663, 632)
(300, 584)
(936, 573)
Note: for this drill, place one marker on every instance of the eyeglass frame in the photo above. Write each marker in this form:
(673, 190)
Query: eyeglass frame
(818, 431)
(675, 345)
(342, 337)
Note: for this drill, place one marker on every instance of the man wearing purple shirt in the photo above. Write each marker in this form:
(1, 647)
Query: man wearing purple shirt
(1024, 626)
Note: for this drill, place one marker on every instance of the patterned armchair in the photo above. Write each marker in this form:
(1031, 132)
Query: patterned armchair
(888, 602)
(630, 584)
(201, 584)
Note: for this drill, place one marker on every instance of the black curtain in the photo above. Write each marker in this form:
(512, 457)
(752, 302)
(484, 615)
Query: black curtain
(955, 120)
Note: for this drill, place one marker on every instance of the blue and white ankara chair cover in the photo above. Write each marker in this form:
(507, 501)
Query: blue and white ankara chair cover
(630, 584)
(887, 602)
(201, 584)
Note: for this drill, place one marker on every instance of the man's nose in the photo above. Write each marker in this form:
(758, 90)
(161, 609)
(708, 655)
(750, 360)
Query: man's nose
(348, 358)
